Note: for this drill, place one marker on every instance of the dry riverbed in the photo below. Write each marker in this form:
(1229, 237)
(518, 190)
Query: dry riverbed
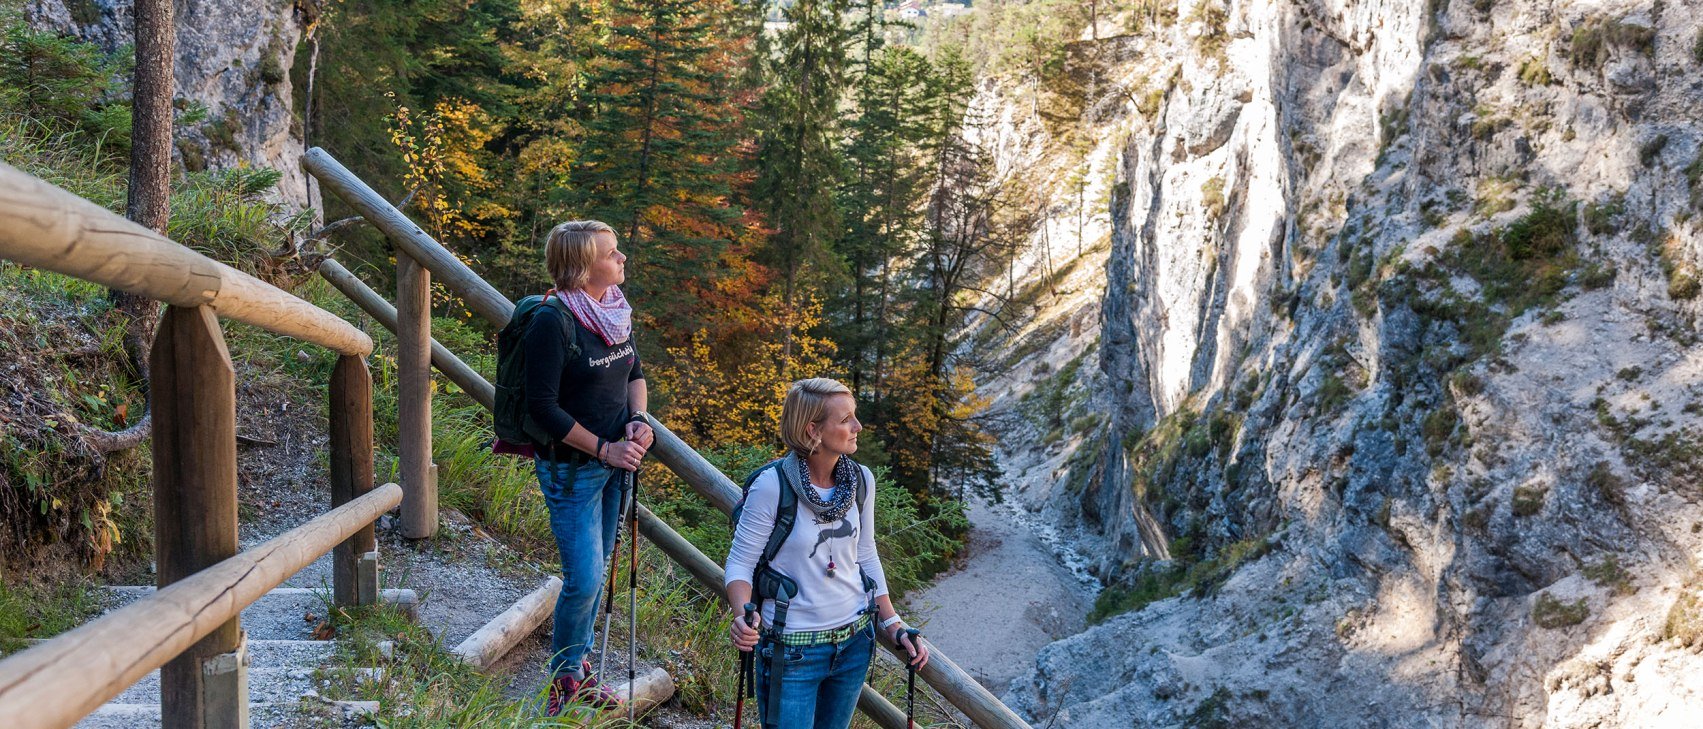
(1009, 596)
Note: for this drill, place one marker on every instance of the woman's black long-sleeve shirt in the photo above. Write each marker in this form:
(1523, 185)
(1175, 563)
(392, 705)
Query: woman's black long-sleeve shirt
(590, 390)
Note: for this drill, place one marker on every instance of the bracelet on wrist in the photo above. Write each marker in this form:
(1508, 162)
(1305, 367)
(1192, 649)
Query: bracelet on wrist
(600, 444)
(888, 623)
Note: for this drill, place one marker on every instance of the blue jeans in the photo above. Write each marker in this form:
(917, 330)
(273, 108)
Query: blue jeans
(585, 509)
(821, 683)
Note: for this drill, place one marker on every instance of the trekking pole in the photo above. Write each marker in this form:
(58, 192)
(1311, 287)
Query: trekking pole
(744, 667)
(609, 599)
(911, 681)
(632, 588)
(609, 596)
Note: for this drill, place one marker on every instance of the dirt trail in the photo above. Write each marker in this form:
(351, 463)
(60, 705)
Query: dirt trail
(1009, 597)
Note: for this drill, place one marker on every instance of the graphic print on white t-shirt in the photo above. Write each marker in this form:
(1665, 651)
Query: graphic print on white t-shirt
(846, 528)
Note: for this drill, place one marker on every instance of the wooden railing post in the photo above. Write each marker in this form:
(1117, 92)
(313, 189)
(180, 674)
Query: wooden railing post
(351, 410)
(414, 401)
(375, 306)
(195, 506)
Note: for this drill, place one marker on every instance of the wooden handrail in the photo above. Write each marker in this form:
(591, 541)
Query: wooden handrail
(942, 673)
(52, 685)
(480, 296)
(46, 227)
(380, 310)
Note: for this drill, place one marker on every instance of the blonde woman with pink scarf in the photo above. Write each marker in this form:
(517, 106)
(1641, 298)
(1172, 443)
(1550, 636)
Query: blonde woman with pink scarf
(590, 398)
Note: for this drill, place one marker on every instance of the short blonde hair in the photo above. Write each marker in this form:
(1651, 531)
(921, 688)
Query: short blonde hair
(807, 402)
(570, 250)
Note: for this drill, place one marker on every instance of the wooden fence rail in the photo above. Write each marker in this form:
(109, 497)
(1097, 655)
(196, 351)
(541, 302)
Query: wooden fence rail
(55, 683)
(480, 296)
(49, 228)
(190, 628)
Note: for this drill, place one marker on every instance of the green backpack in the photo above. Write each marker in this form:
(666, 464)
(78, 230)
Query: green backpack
(513, 425)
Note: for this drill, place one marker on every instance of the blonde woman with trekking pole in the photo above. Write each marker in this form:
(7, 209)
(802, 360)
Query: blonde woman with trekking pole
(804, 552)
(585, 397)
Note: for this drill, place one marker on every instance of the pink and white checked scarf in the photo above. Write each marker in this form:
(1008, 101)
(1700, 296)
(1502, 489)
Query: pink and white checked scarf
(611, 318)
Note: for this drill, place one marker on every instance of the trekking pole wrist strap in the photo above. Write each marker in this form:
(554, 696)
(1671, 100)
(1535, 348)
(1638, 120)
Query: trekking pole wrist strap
(888, 623)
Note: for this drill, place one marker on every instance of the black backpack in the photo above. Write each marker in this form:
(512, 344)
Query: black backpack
(513, 424)
(767, 583)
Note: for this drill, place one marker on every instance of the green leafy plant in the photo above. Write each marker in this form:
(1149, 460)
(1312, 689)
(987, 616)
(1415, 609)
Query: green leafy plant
(1551, 613)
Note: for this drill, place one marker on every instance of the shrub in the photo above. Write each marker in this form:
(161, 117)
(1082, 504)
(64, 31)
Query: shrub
(1534, 72)
(1607, 572)
(1333, 393)
(1214, 35)
(1487, 125)
(1683, 283)
(1683, 280)
(1184, 574)
(1494, 196)
(1528, 500)
(1526, 263)
(1602, 218)
(56, 80)
(1593, 38)
(1629, 374)
(1685, 620)
(1437, 427)
(1610, 487)
(1212, 197)
(1551, 613)
(1466, 383)
(1597, 276)
(1651, 150)
(1694, 180)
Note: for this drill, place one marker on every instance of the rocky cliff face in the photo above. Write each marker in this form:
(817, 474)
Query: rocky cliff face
(232, 77)
(1396, 379)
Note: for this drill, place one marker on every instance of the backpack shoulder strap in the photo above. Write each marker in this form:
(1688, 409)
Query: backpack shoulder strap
(786, 513)
(862, 485)
(569, 334)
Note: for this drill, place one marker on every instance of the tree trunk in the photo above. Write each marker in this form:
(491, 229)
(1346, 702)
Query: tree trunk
(150, 189)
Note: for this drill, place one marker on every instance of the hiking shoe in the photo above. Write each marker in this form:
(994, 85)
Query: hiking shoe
(565, 689)
(594, 692)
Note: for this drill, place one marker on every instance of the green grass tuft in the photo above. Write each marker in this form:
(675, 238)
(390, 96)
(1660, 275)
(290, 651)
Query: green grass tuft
(1551, 613)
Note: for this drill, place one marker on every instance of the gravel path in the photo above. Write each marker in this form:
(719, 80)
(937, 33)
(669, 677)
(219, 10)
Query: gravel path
(1007, 598)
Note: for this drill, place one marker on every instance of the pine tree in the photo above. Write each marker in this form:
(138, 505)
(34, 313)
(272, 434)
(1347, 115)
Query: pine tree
(663, 115)
(798, 155)
(881, 201)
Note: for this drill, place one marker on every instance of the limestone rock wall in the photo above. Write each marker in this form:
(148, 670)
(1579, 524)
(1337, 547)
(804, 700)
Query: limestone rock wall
(233, 59)
(1442, 487)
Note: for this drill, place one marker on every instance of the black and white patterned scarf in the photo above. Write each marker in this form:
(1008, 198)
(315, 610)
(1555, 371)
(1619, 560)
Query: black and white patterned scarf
(839, 501)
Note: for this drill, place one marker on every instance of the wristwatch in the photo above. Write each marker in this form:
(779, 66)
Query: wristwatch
(638, 416)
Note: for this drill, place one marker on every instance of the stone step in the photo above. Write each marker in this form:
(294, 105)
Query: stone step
(266, 684)
(261, 714)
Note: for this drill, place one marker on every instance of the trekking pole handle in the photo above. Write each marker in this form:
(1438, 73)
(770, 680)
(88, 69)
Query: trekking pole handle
(914, 635)
(750, 617)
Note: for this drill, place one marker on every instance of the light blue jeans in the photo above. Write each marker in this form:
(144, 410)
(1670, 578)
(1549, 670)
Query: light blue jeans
(820, 684)
(585, 508)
